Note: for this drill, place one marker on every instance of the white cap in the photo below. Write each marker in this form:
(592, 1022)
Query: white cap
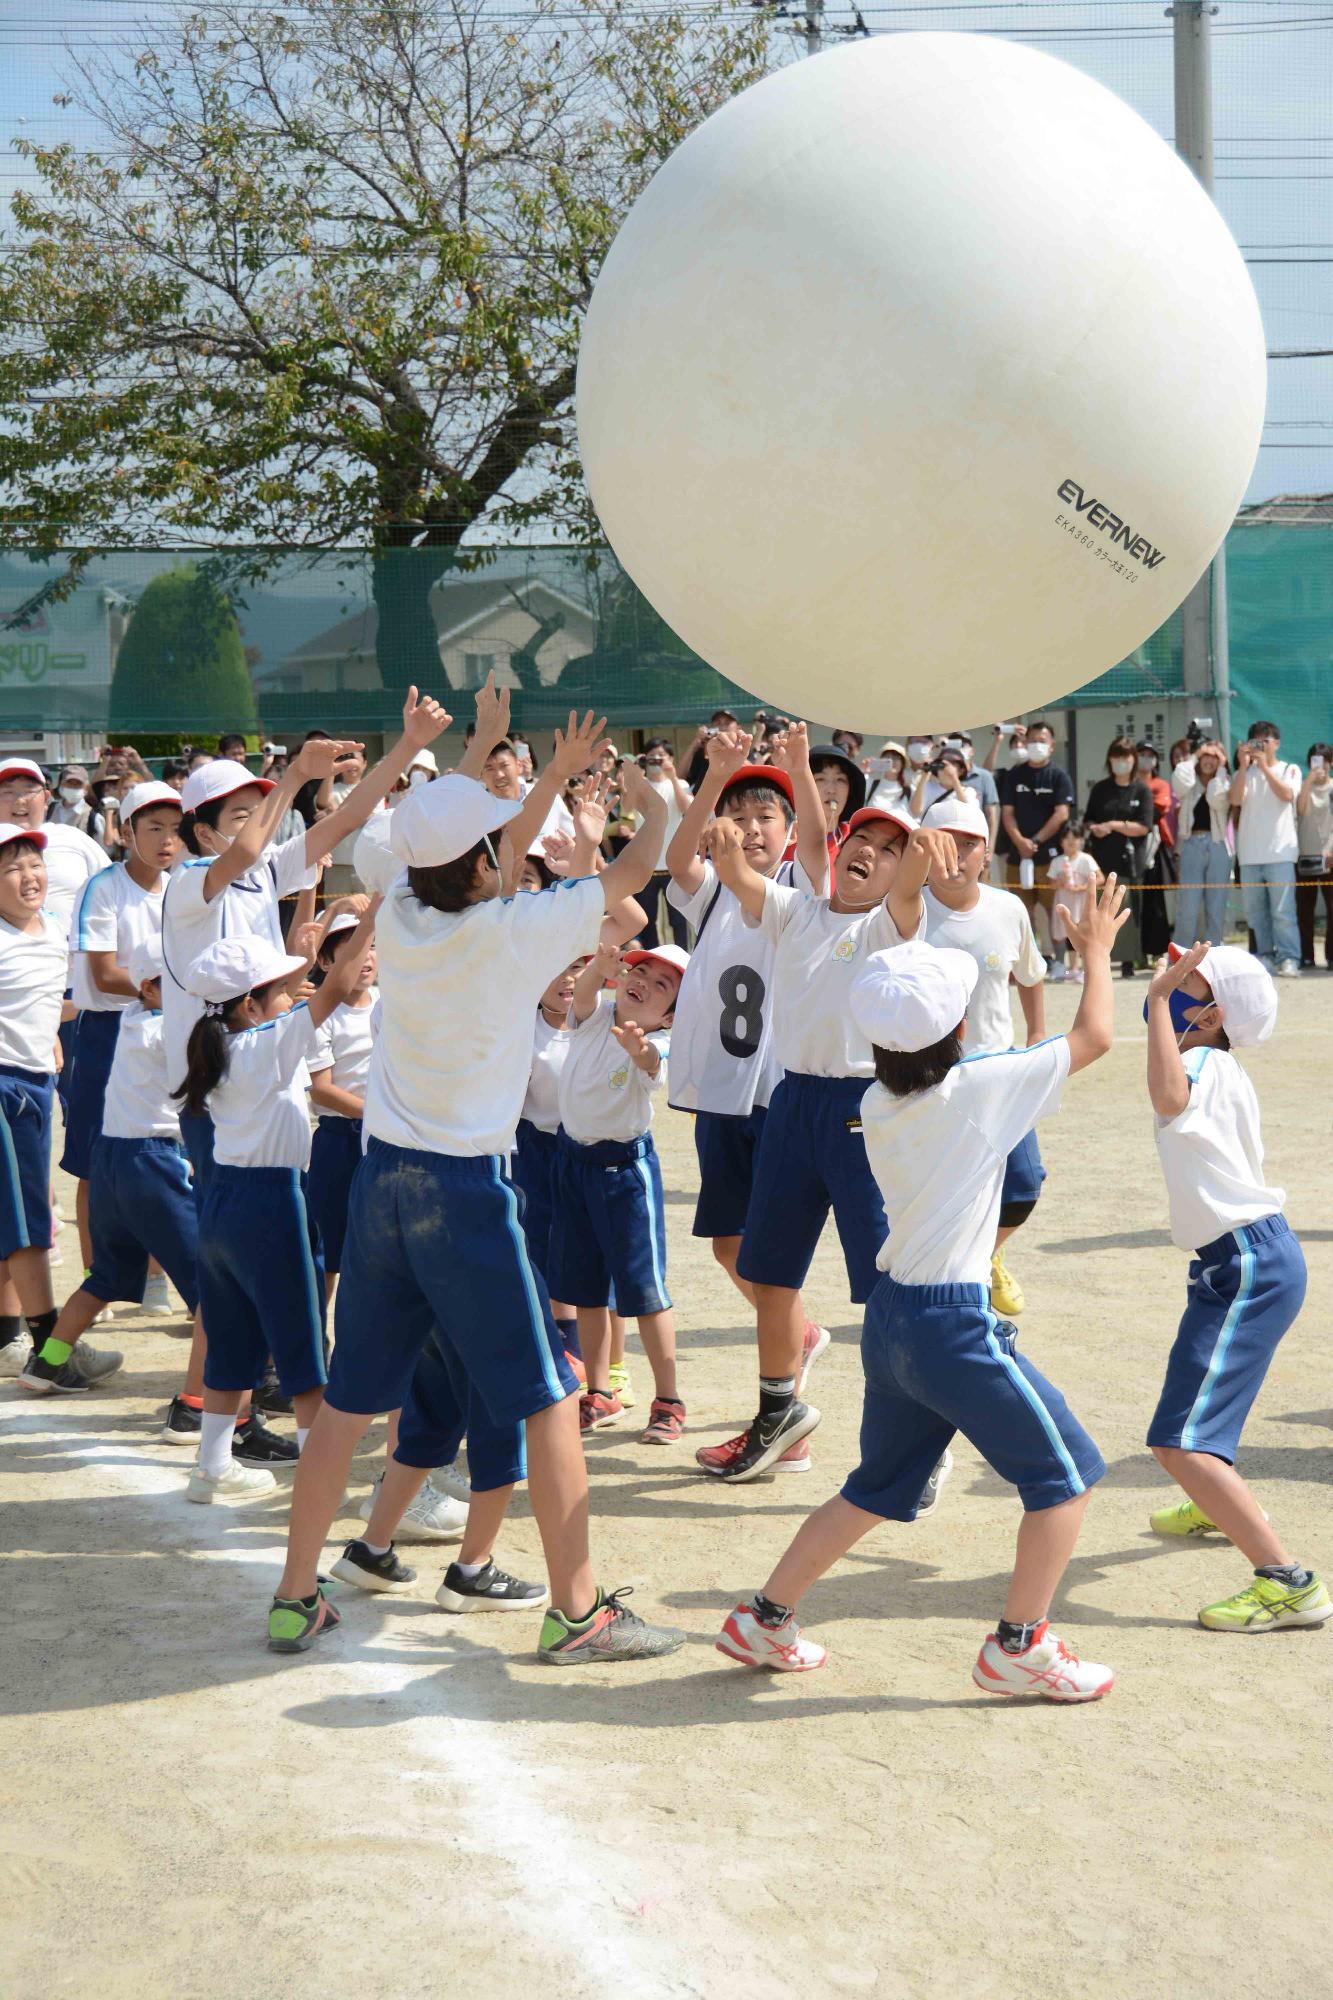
(12, 767)
(1244, 990)
(665, 954)
(8, 832)
(957, 815)
(438, 823)
(909, 998)
(152, 792)
(218, 779)
(145, 960)
(234, 966)
(425, 761)
(345, 920)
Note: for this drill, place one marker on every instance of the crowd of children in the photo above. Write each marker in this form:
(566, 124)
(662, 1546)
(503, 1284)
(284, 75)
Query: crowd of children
(397, 1159)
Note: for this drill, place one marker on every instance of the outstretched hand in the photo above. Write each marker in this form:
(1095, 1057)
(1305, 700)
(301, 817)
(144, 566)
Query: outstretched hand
(728, 751)
(1104, 919)
(423, 719)
(634, 1041)
(577, 745)
(1170, 975)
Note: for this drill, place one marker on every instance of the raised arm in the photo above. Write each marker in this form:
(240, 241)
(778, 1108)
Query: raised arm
(811, 832)
(423, 721)
(633, 867)
(929, 849)
(341, 979)
(726, 753)
(1032, 999)
(734, 871)
(604, 965)
(313, 762)
(1168, 1085)
(1094, 1024)
(574, 750)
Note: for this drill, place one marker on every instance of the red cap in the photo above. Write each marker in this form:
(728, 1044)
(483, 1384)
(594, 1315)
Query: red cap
(893, 815)
(761, 774)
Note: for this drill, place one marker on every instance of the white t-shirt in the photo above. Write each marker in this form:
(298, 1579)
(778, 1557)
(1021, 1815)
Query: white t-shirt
(1213, 1154)
(259, 1110)
(1267, 829)
(451, 1064)
(819, 952)
(603, 1095)
(137, 1102)
(33, 970)
(939, 1159)
(247, 907)
(71, 860)
(666, 791)
(343, 1043)
(112, 914)
(722, 1054)
(550, 1046)
(375, 862)
(997, 934)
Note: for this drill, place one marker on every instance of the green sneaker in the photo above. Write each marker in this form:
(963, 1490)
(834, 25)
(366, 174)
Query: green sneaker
(610, 1632)
(1266, 1605)
(1183, 1517)
(294, 1621)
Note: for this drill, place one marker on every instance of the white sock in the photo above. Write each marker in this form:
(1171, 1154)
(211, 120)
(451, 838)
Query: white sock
(375, 1548)
(301, 1436)
(215, 1433)
(471, 1569)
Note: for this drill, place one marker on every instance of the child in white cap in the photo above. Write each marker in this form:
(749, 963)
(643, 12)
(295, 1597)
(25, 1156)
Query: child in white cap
(939, 1127)
(1247, 1277)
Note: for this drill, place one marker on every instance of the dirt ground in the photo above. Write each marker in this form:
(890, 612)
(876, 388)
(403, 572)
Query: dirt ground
(417, 1806)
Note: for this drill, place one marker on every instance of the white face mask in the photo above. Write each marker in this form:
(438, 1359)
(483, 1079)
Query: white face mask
(1038, 753)
(416, 776)
(917, 752)
(1122, 767)
(72, 794)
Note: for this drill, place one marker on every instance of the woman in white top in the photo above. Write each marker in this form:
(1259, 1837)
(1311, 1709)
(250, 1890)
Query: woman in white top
(1202, 785)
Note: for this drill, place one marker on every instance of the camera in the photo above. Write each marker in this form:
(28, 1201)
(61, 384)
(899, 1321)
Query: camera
(1201, 727)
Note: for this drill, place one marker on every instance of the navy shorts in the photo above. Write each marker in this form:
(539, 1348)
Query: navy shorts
(532, 1168)
(728, 1148)
(441, 1407)
(25, 1160)
(608, 1239)
(937, 1361)
(259, 1285)
(1023, 1174)
(197, 1139)
(1244, 1292)
(434, 1241)
(335, 1155)
(812, 1157)
(69, 1037)
(85, 1091)
(141, 1205)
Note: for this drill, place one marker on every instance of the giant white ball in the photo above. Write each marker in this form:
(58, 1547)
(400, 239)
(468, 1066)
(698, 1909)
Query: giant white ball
(920, 384)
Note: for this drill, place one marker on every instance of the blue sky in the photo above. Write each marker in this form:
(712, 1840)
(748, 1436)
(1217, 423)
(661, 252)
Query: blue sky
(1273, 121)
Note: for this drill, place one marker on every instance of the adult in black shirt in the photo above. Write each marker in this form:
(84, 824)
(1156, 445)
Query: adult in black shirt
(1036, 800)
(1119, 817)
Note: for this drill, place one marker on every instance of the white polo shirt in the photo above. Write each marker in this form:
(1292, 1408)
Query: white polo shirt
(997, 935)
(259, 1110)
(72, 859)
(603, 1095)
(1212, 1155)
(111, 914)
(137, 1104)
(939, 1159)
(33, 968)
(1267, 828)
(722, 1054)
(451, 1065)
(819, 952)
(343, 1044)
(550, 1046)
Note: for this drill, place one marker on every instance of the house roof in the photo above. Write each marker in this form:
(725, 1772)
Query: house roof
(1289, 508)
(455, 607)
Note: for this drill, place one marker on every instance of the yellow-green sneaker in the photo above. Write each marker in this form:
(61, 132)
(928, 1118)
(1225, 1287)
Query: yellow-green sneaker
(620, 1384)
(1006, 1294)
(1264, 1606)
(1182, 1517)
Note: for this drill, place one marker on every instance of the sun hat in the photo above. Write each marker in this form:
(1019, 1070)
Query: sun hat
(424, 760)
(14, 767)
(829, 753)
(895, 815)
(9, 832)
(761, 774)
(217, 779)
(145, 960)
(235, 966)
(150, 792)
(665, 954)
(957, 815)
(437, 823)
(1244, 990)
(909, 998)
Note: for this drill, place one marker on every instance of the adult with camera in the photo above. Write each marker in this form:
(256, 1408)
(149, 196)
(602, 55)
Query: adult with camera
(1201, 782)
(1264, 791)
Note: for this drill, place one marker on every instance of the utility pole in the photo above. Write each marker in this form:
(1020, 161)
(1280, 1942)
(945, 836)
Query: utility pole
(814, 27)
(1205, 640)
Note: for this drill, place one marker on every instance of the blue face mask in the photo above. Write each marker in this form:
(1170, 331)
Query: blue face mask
(1183, 1007)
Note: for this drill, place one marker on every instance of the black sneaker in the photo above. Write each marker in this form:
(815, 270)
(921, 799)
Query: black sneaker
(357, 1565)
(765, 1442)
(183, 1424)
(935, 1484)
(269, 1398)
(254, 1444)
(491, 1589)
(85, 1367)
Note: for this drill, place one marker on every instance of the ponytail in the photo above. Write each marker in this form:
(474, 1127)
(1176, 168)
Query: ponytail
(205, 1060)
(204, 815)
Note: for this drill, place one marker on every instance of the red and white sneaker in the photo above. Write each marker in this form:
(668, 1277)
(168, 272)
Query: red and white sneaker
(1047, 1668)
(780, 1647)
(666, 1422)
(597, 1411)
(814, 1341)
(721, 1457)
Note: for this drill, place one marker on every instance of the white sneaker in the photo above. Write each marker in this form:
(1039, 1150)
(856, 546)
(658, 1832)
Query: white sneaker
(781, 1647)
(1289, 969)
(1047, 1668)
(1058, 973)
(448, 1479)
(14, 1354)
(432, 1517)
(234, 1482)
(156, 1296)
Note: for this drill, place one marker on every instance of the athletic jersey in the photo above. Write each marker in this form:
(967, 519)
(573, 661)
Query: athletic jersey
(997, 934)
(451, 1064)
(819, 952)
(550, 1046)
(72, 859)
(603, 1095)
(137, 1102)
(939, 1159)
(1213, 1154)
(722, 1054)
(33, 970)
(246, 907)
(259, 1111)
(342, 1050)
(112, 913)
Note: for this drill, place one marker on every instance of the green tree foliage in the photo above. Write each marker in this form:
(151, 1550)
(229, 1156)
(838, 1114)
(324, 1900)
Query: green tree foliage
(320, 281)
(182, 658)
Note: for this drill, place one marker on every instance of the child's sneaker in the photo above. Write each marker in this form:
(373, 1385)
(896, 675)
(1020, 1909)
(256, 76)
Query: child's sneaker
(780, 1647)
(1266, 1605)
(611, 1631)
(15, 1354)
(813, 1342)
(156, 1296)
(716, 1458)
(491, 1589)
(621, 1386)
(1182, 1517)
(85, 1367)
(666, 1422)
(385, 1571)
(184, 1423)
(431, 1517)
(940, 1471)
(1006, 1294)
(597, 1412)
(294, 1621)
(1047, 1667)
(764, 1443)
(253, 1443)
(236, 1482)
